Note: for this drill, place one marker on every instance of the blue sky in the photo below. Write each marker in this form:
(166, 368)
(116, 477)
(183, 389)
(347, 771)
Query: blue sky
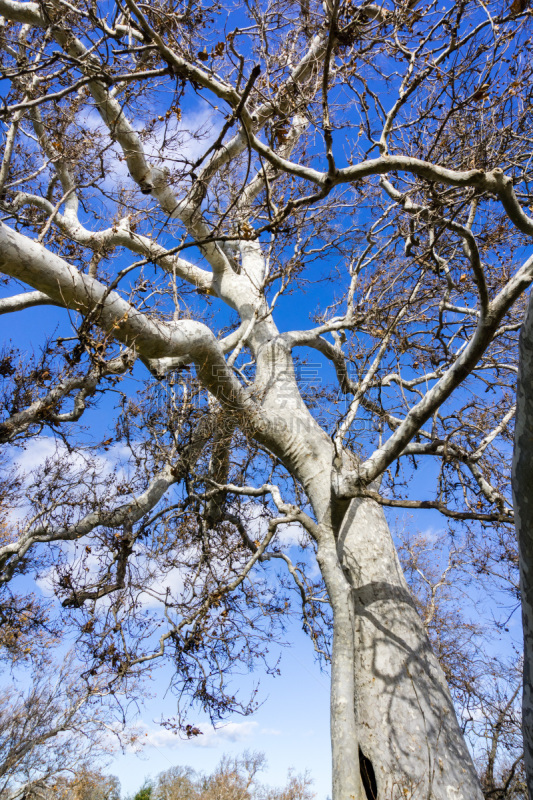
(291, 728)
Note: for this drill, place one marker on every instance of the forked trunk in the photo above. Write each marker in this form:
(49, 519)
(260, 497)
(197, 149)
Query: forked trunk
(394, 731)
(407, 742)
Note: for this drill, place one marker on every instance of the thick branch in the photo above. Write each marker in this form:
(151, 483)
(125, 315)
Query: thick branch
(19, 302)
(26, 260)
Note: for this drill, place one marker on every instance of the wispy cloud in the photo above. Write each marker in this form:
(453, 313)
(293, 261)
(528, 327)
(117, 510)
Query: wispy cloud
(210, 737)
(172, 144)
(40, 449)
(288, 535)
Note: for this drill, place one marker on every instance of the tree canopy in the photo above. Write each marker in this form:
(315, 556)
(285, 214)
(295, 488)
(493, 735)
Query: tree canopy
(285, 248)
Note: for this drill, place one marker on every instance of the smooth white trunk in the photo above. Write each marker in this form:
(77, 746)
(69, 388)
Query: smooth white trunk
(522, 481)
(347, 783)
(394, 731)
(408, 739)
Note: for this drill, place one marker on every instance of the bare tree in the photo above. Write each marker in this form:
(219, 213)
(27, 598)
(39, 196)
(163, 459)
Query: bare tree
(233, 779)
(56, 728)
(85, 784)
(380, 152)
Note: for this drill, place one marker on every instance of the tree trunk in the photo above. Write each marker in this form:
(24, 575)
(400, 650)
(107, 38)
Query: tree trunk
(522, 482)
(408, 741)
(346, 774)
(394, 732)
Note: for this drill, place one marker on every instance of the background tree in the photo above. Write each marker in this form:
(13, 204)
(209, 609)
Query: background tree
(233, 779)
(379, 152)
(85, 784)
(55, 728)
(522, 459)
(145, 792)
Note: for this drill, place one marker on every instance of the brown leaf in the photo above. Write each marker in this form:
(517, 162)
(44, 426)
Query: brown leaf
(281, 133)
(482, 92)
(191, 731)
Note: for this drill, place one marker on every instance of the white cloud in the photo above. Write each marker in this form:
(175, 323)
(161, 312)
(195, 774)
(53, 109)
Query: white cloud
(95, 469)
(33, 458)
(39, 449)
(290, 535)
(192, 136)
(155, 592)
(210, 736)
(35, 453)
(287, 534)
(173, 143)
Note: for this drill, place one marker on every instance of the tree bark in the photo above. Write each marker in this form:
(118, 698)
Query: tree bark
(522, 482)
(409, 743)
(347, 782)
(394, 732)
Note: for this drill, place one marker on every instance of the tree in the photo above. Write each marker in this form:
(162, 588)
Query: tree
(145, 792)
(380, 153)
(86, 784)
(54, 720)
(522, 455)
(51, 730)
(233, 779)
